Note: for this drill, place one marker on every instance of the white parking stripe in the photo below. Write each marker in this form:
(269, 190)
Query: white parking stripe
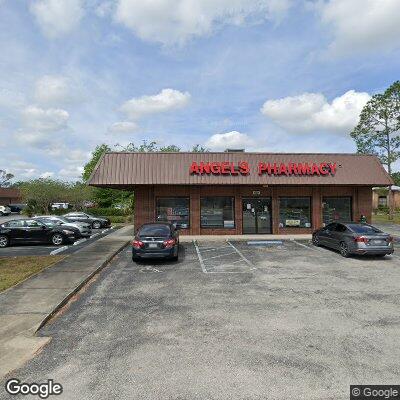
(203, 267)
(241, 255)
(104, 231)
(220, 255)
(96, 234)
(307, 247)
(52, 253)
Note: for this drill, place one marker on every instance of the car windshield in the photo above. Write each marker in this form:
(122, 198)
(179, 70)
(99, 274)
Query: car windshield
(363, 229)
(154, 230)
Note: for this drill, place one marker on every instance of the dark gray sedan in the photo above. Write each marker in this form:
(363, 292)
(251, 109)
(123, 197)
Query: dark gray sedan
(354, 238)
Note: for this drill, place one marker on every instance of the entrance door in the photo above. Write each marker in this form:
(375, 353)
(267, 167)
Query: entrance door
(256, 215)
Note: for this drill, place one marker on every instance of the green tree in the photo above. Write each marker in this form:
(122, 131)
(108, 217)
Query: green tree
(40, 193)
(170, 149)
(199, 149)
(5, 178)
(377, 132)
(97, 153)
(396, 178)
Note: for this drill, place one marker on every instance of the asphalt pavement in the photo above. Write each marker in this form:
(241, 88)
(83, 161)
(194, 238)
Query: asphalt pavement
(241, 320)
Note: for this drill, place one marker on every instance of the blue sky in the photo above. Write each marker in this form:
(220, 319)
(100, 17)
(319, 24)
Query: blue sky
(267, 75)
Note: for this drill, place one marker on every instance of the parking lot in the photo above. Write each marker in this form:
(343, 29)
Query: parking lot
(40, 249)
(276, 320)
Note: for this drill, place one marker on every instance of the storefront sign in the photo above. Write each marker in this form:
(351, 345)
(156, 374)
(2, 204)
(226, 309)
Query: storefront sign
(263, 168)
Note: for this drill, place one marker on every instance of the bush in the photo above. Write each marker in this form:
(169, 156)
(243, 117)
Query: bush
(107, 212)
(118, 219)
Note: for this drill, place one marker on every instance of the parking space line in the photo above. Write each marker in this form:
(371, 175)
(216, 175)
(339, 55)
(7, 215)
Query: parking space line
(104, 231)
(219, 255)
(249, 263)
(52, 253)
(215, 248)
(203, 267)
(94, 235)
(303, 245)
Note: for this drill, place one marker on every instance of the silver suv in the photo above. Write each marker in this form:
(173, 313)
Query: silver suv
(4, 210)
(85, 229)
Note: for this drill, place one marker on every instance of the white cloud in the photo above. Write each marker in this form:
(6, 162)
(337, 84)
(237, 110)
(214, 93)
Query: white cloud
(229, 140)
(310, 112)
(46, 175)
(166, 100)
(71, 172)
(56, 90)
(45, 120)
(123, 127)
(57, 17)
(11, 99)
(362, 25)
(105, 8)
(175, 21)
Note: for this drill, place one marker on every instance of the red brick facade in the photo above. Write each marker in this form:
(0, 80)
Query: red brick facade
(145, 203)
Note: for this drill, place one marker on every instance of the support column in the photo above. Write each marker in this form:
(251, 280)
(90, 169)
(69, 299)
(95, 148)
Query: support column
(275, 211)
(194, 210)
(316, 209)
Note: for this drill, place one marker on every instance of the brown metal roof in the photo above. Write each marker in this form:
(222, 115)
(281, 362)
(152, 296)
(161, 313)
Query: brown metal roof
(126, 169)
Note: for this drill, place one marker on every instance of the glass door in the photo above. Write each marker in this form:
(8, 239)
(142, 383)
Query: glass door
(256, 215)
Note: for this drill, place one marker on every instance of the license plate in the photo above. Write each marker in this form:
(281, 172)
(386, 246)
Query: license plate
(378, 242)
(153, 245)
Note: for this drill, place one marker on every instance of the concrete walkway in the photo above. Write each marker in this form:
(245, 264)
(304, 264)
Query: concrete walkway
(25, 307)
(211, 238)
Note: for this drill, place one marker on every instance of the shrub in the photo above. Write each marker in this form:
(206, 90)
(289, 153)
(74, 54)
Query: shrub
(107, 212)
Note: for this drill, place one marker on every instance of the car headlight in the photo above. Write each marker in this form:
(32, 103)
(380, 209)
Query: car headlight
(68, 232)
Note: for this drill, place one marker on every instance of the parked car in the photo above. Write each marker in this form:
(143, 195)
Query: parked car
(156, 240)
(32, 230)
(95, 222)
(354, 238)
(5, 210)
(85, 229)
(60, 206)
(16, 208)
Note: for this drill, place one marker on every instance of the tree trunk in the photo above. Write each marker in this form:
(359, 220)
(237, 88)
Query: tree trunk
(389, 164)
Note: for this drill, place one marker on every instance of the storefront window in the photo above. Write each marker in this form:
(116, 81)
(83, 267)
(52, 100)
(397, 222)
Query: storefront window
(295, 212)
(174, 210)
(382, 201)
(217, 212)
(336, 209)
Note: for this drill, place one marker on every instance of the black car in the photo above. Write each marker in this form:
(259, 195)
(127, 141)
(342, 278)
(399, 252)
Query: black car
(95, 222)
(35, 231)
(354, 238)
(156, 240)
(16, 208)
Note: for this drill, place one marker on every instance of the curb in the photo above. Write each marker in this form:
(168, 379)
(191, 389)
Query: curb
(79, 287)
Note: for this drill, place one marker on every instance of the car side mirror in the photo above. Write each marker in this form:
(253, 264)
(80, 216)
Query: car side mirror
(44, 227)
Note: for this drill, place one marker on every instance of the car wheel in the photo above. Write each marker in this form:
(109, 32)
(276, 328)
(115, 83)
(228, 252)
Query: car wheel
(4, 241)
(57, 239)
(344, 250)
(315, 240)
(96, 225)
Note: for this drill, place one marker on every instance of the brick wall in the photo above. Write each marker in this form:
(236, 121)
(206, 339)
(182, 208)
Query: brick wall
(145, 200)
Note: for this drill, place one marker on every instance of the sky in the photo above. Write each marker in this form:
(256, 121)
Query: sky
(264, 75)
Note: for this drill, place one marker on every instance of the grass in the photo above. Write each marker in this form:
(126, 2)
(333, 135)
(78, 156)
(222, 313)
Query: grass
(16, 269)
(382, 218)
